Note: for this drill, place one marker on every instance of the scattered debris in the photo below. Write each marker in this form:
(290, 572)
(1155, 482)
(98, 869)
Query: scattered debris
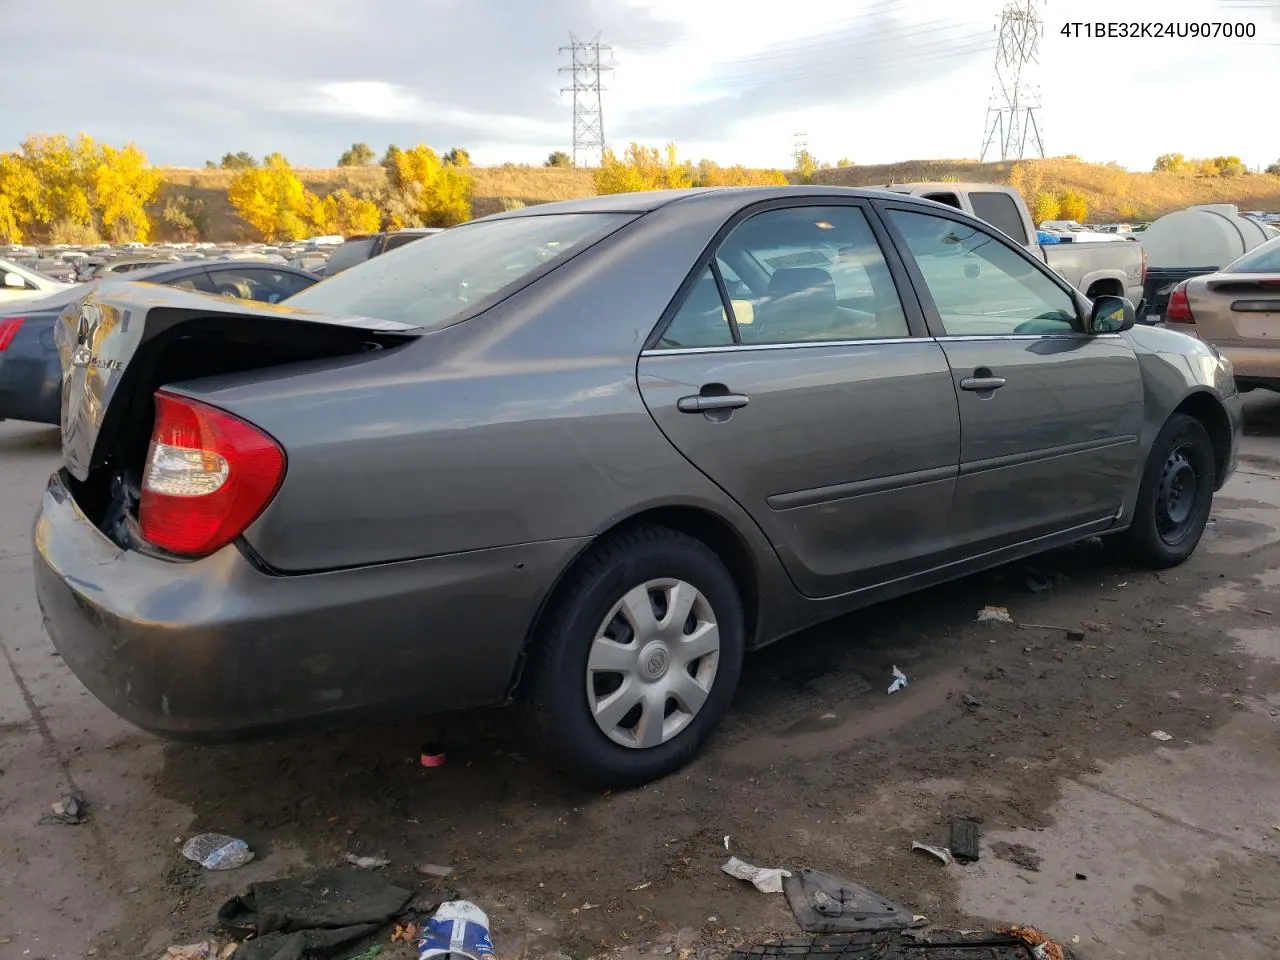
(942, 853)
(367, 863)
(374, 951)
(1020, 855)
(434, 870)
(1161, 736)
(764, 879)
(899, 680)
(297, 916)
(457, 929)
(192, 951)
(1037, 582)
(1093, 626)
(1081, 876)
(726, 841)
(964, 841)
(432, 755)
(407, 933)
(990, 614)
(1073, 633)
(826, 904)
(70, 809)
(971, 701)
(217, 851)
(887, 944)
(1043, 947)
(644, 886)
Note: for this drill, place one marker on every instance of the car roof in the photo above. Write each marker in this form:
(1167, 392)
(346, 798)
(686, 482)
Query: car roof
(646, 201)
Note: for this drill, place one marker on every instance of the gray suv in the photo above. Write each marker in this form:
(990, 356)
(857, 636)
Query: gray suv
(362, 247)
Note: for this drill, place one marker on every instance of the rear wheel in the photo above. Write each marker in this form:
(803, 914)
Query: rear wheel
(637, 660)
(1175, 496)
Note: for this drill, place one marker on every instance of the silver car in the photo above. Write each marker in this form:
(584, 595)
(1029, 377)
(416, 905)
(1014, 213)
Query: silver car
(584, 456)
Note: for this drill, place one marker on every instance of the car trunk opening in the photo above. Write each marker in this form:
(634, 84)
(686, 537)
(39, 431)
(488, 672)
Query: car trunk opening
(118, 346)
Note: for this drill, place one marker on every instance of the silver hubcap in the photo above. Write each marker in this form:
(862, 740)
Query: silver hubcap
(652, 663)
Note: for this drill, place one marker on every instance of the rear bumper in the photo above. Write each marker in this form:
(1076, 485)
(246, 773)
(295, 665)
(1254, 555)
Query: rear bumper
(217, 647)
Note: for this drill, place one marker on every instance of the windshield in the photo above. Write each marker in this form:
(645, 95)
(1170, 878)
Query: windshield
(428, 284)
(1264, 258)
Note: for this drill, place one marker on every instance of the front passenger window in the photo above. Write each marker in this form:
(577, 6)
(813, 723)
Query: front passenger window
(980, 285)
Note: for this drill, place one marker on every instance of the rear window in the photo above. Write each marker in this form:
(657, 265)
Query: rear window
(429, 284)
(1261, 259)
(999, 210)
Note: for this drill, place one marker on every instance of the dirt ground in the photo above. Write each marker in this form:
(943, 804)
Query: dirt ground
(1091, 827)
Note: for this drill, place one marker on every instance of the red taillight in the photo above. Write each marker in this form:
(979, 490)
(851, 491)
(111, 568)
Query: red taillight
(9, 327)
(208, 476)
(1178, 309)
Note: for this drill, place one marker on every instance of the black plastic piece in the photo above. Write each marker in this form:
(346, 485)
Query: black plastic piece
(826, 904)
(893, 945)
(964, 841)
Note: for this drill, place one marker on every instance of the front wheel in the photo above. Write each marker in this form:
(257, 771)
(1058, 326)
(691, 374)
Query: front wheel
(637, 660)
(1174, 498)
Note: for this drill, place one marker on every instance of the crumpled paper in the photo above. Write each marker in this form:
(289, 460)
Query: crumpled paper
(764, 879)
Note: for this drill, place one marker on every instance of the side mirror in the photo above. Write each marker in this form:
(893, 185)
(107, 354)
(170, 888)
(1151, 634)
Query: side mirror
(15, 282)
(1111, 315)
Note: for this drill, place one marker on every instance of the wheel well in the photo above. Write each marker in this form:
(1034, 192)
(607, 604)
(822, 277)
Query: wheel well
(699, 524)
(1209, 412)
(1105, 287)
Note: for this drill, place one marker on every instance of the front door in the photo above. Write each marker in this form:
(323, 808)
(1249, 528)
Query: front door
(789, 372)
(1049, 414)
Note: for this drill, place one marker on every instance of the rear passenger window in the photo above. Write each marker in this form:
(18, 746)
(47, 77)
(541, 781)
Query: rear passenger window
(999, 210)
(701, 320)
(807, 274)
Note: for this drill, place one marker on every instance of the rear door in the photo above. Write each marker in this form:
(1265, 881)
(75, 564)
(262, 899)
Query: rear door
(793, 374)
(1049, 415)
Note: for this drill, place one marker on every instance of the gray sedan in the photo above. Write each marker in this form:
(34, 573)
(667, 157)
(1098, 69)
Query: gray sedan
(585, 456)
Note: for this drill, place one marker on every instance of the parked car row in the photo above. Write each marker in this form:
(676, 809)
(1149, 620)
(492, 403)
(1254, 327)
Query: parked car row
(584, 457)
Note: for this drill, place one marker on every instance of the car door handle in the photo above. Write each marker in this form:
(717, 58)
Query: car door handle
(982, 384)
(703, 403)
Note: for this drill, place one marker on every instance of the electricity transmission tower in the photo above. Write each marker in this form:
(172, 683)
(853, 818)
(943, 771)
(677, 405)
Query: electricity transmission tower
(1012, 124)
(585, 72)
(800, 146)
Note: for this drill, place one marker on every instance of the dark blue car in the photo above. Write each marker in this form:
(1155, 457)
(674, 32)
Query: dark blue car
(30, 373)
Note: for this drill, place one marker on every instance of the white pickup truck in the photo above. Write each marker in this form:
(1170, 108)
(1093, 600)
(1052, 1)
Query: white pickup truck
(1093, 268)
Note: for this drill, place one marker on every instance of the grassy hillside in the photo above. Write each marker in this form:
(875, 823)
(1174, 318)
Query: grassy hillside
(1110, 192)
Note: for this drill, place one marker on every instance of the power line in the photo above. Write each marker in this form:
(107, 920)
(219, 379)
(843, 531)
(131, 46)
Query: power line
(1015, 100)
(588, 111)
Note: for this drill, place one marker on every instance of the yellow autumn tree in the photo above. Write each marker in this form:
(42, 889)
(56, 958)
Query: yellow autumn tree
(1044, 207)
(1072, 206)
(19, 197)
(425, 190)
(272, 200)
(123, 185)
(642, 168)
(342, 212)
(710, 174)
(64, 170)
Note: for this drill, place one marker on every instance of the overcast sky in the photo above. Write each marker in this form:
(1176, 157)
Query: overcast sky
(732, 80)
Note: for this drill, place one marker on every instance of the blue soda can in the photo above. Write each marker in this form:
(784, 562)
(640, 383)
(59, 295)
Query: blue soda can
(458, 929)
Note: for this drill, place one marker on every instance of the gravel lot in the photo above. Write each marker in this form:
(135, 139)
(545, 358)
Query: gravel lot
(1091, 827)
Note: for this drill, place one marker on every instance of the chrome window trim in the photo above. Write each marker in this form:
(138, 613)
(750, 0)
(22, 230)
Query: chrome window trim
(751, 347)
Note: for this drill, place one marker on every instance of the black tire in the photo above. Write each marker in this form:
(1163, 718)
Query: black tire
(552, 700)
(1160, 535)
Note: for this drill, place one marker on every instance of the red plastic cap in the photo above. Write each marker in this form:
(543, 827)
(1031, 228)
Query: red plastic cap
(9, 327)
(1178, 309)
(208, 476)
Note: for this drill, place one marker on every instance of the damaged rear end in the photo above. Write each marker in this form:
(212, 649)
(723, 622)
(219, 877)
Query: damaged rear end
(153, 469)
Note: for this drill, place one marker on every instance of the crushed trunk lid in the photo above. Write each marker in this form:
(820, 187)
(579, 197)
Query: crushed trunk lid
(111, 340)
